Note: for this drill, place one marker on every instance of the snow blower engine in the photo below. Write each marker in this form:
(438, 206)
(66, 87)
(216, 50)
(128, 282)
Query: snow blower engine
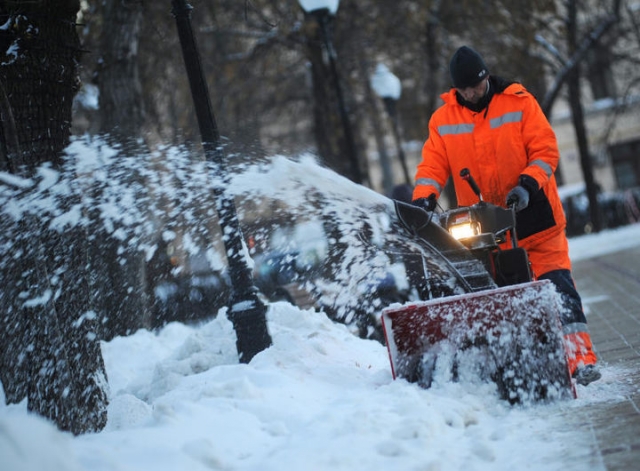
(481, 228)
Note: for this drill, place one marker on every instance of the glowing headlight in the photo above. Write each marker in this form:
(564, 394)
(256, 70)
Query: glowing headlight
(465, 230)
(463, 227)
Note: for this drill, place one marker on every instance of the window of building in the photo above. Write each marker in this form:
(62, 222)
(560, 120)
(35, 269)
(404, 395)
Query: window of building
(600, 76)
(625, 158)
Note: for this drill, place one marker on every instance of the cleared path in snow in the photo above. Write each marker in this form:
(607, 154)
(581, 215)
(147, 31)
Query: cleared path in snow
(610, 287)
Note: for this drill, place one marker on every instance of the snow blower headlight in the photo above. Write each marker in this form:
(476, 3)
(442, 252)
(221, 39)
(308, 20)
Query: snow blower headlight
(463, 226)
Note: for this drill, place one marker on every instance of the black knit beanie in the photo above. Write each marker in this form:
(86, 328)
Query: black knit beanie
(467, 68)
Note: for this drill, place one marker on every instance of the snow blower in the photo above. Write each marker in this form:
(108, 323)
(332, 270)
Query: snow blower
(506, 330)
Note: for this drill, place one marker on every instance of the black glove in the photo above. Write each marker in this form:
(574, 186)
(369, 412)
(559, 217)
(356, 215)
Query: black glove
(518, 197)
(428, 203)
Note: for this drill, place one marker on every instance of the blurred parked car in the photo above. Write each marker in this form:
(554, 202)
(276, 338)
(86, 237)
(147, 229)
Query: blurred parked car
(295, 263)
(184, 287)
(617, 208)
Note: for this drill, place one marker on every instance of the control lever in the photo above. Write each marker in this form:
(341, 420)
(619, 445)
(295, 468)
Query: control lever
(466, 176)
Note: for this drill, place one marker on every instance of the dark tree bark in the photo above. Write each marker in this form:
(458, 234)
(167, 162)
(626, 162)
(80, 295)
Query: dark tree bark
(433, 44)
(49, 350)
(333, 130)
(577, 117)
(39, 77)
(121, 101)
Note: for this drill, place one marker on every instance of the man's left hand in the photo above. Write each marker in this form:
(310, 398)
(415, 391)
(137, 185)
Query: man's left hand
(518, 197)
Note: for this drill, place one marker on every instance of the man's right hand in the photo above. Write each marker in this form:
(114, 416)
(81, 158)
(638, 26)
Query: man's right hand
(428, 203)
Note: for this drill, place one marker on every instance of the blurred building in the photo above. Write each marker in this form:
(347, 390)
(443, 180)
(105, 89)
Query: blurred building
(613, 128)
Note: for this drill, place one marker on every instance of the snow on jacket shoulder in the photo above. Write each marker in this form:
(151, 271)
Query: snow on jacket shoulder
(509, 138)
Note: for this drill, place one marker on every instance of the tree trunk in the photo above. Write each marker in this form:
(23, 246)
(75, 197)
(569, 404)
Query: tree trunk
(432, 33)
(49, 350)
(39, 76)
(121, 101)
(577, 116)
(332, 127)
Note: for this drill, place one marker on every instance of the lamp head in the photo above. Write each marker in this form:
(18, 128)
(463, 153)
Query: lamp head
(310, 6)
(385, 84)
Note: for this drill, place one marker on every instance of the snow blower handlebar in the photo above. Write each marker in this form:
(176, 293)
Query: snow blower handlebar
(480, 228)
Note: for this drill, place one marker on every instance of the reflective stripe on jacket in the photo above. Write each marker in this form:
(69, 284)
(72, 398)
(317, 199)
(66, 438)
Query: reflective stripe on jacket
(509, 138)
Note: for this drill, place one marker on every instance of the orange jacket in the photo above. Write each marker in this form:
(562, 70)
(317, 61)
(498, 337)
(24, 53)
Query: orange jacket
(509, 138)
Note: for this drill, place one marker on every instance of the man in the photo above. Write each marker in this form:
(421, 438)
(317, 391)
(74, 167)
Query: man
(497, 130)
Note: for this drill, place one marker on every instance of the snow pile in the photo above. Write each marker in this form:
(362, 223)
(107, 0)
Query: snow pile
(605, 242)
(29, 443)
(319, 398)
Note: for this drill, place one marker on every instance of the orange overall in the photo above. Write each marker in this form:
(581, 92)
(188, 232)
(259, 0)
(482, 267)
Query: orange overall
(509, 138)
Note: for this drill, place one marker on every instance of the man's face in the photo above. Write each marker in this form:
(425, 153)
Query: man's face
(474, 94)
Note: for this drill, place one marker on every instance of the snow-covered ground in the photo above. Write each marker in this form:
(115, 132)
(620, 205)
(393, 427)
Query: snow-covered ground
(318, 399)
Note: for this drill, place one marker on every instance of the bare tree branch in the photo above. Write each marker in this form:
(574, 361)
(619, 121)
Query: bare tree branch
(578, 56)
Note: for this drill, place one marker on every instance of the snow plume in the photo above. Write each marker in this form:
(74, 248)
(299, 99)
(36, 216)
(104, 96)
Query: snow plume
(148, 219)
(146, 214)
(359, 246)
(147, 222)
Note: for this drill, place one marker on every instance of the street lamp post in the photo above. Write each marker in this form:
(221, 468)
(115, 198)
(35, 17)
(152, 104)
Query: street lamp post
(247, 312)
(388, 87)
(323, 12)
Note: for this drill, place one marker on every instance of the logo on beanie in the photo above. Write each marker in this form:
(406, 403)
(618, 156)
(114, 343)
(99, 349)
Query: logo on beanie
(482, 73)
